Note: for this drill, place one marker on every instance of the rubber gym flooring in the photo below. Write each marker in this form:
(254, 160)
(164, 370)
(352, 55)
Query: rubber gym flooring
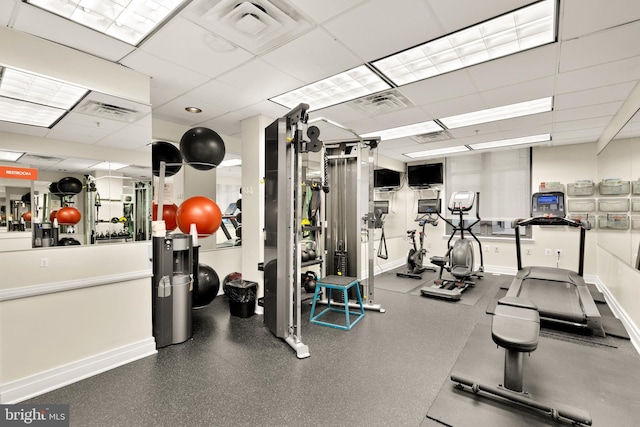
(391, 369)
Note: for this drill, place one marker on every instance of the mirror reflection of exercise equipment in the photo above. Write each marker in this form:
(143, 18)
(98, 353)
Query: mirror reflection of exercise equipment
(381, 208)
(415, 257)
(459, 259)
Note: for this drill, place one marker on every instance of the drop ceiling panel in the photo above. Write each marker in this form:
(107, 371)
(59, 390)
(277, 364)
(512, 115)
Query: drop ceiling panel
(407, 116)
(579, 136)
(221, 95)
(626, 70)
(534, 89)
(521, 67)
(174, 111)
(6, 9)
(23, 129)
(83, 128)
(192, 47)
(342, 113)
(587, 16)
(378, 28)
(450, 107)
(597, 123)
(541, 120)
(260, 79)
(60, 30)
(607, 46)
(168, 80)
(320, 11)
(618, 92)
(313, 56)
(439, 88)
(74, 165)
(131, 137)
(227, 124)
(589, 111)
(468, 12)
(263, 108)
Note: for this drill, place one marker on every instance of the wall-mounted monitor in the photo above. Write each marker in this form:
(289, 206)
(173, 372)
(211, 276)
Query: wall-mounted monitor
(386, 179)
(424, 175)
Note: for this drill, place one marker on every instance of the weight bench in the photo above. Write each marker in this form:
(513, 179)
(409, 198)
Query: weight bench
(515, 327)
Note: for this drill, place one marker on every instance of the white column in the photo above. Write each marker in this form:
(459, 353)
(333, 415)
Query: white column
(253, 200)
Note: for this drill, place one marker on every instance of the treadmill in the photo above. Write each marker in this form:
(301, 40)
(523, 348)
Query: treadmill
(561, 295)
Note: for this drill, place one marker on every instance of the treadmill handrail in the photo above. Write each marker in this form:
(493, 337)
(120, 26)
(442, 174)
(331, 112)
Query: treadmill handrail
(551, 220)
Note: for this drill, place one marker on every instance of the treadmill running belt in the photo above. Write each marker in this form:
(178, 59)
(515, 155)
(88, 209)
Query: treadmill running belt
(555, 300)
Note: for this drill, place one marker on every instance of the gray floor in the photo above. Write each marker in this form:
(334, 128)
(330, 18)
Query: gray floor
(386, 371)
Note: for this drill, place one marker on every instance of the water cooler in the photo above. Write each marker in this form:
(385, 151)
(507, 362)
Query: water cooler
(44, 234)
(172, 288)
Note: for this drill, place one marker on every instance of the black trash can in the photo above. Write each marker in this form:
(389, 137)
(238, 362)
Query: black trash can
(242, 297)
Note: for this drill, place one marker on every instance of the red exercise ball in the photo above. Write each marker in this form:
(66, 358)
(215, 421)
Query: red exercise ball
(52, 215)
(168, 215)
(201, 211)
(27, 216)
(68, 216)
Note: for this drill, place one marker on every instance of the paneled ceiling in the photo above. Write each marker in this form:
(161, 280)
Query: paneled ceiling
(592, 70)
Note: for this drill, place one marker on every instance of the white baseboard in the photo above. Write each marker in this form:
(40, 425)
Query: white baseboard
(618, 311)
(35, 385)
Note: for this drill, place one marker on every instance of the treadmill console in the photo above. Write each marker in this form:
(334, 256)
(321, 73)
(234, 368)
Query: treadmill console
(426, 206)
(549, 204)
(462, 201)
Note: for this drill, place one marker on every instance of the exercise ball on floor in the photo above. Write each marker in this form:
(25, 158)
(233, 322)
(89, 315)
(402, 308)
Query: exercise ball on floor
(167, 152)
(201, 211)
(168, 215)
(202, 148)
(68, 216)
(69, 186)
(206, 288)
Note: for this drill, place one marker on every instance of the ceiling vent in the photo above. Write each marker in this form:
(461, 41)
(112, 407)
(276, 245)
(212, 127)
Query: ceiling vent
(39, 160)
(427, 138)
(108, 111)
(382, 102)
(253, 25)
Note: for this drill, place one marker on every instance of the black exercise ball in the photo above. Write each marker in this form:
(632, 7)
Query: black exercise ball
(69, 186)
(202, 148)
(167, 152)
(68, 241)
(53, 189)
(239, 204)
(26, 198)
(207, 287)
(312, 254)
(239, 217)
(305, 256)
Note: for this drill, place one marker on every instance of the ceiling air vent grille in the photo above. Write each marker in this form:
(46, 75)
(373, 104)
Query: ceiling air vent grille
(382, 102)
(107, 111)
(254, 25)
(427, 138)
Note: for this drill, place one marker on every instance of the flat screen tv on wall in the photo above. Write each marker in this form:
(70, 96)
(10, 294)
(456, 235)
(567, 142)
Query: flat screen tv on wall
(386, 178)
(424, 175)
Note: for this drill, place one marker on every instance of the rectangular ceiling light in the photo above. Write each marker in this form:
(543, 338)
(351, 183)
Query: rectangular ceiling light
(437, 152)
(343, 87)
(127, 20)
(504, 35)
(106, 166)
(408, 130)
(34, 100)
(10, 156)
(499, 113)
(510, 142)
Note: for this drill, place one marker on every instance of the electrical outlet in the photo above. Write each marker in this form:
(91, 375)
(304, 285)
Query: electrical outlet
(547, 252)
(558, 253)
(44, 262)
(486, 248)
(496, 249)
(528, 252)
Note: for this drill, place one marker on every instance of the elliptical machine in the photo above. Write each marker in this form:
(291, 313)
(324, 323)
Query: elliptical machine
(459, 259)
(415, 257)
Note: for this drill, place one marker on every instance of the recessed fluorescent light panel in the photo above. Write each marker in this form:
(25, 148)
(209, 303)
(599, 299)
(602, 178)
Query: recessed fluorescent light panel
(127, 20)
(437, 152)
(520, 109)
(105, 166)
(33, 100)
(343, 87)
(402, 131)
(504, 35)
(10, 156)
(509, 142)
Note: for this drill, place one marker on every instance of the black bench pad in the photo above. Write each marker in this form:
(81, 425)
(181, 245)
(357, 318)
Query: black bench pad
(515, 328)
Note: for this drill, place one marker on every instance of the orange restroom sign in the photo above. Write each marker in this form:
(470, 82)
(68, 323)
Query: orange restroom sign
(30, 174)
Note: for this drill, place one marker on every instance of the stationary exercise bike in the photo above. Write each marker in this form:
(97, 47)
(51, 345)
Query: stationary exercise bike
(459, 259)
(415, 257)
